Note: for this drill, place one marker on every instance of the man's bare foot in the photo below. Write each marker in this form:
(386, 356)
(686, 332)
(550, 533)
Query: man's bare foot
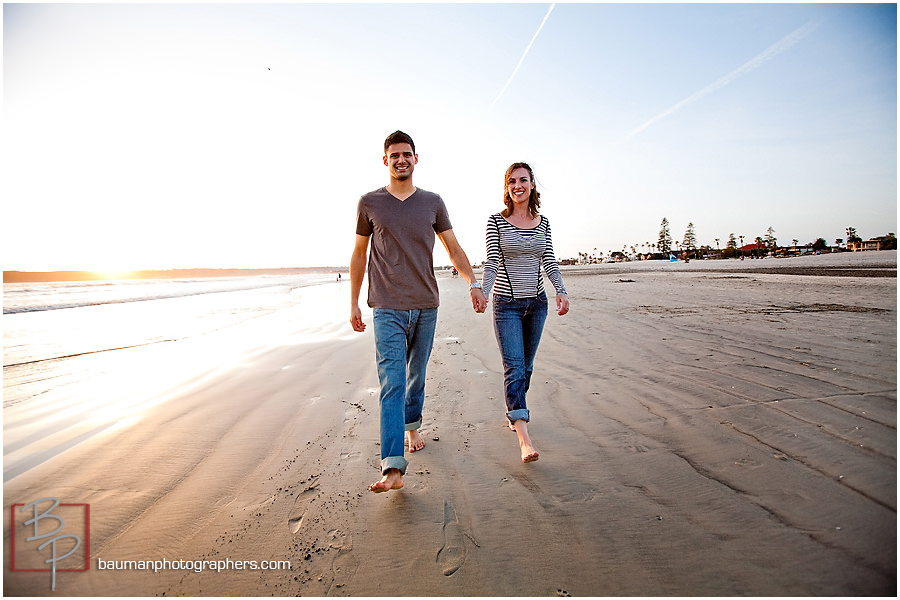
(392, 480)
(414, 440)
(512, 427)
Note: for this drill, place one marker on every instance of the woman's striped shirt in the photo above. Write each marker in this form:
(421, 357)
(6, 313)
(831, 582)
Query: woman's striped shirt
(514, 259)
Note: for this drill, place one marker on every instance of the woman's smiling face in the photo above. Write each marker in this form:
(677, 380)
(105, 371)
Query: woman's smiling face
(519, 185)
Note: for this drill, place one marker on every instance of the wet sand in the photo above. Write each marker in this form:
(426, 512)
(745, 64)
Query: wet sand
(710, 428)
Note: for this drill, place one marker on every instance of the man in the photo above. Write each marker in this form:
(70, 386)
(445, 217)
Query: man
(401, 221)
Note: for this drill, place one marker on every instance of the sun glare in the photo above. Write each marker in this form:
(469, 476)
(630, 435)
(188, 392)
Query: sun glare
(104, 274)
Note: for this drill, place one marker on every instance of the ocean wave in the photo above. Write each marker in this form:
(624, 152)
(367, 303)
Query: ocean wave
(25, 298)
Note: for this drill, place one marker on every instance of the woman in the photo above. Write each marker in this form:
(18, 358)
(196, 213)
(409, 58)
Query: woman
(518, 245)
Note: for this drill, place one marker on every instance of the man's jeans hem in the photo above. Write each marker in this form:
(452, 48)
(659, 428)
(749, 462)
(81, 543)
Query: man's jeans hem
(394, 462)
(413, 426)
(519, 413)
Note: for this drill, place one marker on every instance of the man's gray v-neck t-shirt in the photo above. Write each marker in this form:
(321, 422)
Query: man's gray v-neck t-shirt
(401, 264)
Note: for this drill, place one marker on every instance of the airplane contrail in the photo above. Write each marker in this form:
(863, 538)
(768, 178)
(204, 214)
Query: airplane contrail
(768, 54)
(524, 54)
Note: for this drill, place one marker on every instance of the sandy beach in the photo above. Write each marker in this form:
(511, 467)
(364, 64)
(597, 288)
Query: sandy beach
(712, 428)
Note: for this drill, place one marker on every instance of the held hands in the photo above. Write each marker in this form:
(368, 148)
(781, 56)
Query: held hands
(479, 300)
(562, 304)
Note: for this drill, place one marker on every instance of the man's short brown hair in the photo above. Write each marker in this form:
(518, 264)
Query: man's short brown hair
(398, 137)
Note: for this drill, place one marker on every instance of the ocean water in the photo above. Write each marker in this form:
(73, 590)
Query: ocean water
(81, 358)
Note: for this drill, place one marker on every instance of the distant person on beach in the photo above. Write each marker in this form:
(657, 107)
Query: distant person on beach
(401, 221)
(518, 244)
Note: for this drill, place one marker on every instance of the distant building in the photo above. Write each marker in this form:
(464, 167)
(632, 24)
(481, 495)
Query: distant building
(754, 250)
(796, 250)
(860, 246)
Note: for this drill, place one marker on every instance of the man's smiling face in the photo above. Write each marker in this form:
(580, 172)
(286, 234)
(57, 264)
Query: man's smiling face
(400, 161)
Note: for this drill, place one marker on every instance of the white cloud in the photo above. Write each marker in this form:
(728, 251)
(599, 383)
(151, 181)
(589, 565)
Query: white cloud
(770, 53)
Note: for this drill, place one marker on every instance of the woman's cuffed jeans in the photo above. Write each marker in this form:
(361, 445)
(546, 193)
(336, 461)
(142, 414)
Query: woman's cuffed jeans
(403, 341)
(518, 324)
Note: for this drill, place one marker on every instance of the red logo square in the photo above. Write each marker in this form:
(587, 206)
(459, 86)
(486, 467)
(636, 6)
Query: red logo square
(50, 536)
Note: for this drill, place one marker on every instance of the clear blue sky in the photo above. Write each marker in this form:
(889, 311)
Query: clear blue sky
(242, 135)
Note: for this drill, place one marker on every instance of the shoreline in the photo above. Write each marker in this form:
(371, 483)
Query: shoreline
(143, 274)
(882, 259)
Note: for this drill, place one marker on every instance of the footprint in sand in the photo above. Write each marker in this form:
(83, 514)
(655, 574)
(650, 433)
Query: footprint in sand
(340, 540)
(349, 455)
(452, 554)
(344, 565)
(295, 523)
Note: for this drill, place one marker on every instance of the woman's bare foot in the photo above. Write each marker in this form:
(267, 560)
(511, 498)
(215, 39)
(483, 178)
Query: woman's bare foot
(414, 440)
(529, 454)
(392, 480)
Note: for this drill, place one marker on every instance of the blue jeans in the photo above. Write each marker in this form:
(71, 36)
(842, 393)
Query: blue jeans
(518, 324)
(403, 340)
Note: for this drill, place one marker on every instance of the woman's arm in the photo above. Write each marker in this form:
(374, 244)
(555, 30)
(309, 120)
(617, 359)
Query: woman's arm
(551, 268)
(492, 262)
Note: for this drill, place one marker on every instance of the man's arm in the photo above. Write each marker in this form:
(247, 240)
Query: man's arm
(461, 262)
(357, 272)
